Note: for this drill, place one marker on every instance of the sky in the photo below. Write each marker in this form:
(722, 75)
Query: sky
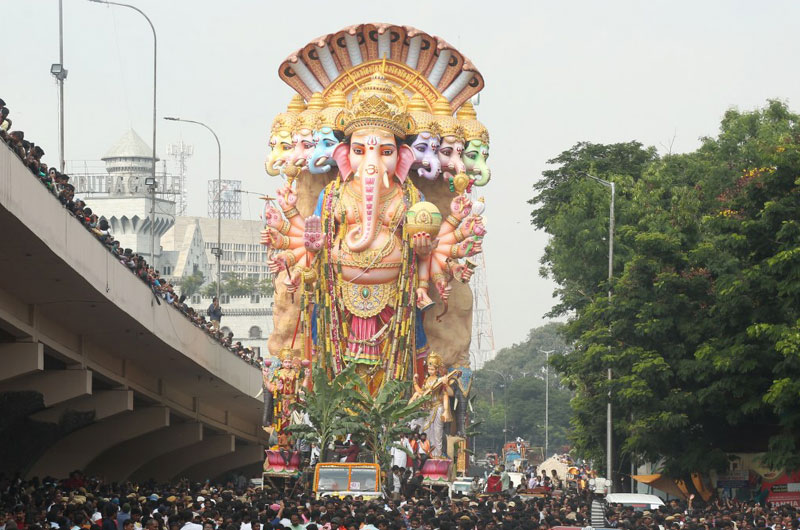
(556, 73)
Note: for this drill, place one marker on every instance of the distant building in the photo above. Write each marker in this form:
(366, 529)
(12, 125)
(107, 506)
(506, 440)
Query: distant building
(182, 244)
(249, 317)
(184, 251)
(187, 249)
(242, 254)
(122, 196)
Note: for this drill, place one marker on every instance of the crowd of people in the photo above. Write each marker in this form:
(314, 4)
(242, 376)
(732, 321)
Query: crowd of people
(59, 185)
(79, 503)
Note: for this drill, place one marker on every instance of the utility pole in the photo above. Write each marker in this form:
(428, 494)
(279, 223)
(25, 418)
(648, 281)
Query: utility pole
(215, 251)
(60, 73)
(546, 400)
(609, 429)
(155, 81)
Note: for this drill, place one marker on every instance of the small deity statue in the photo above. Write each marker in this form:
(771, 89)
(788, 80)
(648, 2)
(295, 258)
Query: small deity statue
(285, 385)
(439, 387)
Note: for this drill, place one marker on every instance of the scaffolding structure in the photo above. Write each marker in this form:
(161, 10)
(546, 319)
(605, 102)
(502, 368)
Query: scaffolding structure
(228, 204)
(481, 347)
(179, 153)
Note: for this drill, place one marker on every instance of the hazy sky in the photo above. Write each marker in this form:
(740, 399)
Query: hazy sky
(559, 72)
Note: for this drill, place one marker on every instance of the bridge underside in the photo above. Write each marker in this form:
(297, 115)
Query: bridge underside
(95, 374)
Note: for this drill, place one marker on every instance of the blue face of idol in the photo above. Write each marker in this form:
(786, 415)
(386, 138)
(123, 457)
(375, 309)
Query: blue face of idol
(321, 160)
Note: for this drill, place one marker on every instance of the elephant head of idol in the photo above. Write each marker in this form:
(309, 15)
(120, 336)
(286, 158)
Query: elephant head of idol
(280, 139)
(476, 145)
(327, 134)
(425, 140)
(451, 146)
(303, 135)
(372, 154)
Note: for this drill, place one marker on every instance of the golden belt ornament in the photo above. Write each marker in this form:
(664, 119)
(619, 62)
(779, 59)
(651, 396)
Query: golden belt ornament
(366, 301)
(369, 258)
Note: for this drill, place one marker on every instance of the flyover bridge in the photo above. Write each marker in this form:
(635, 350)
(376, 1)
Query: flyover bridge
(94, 373)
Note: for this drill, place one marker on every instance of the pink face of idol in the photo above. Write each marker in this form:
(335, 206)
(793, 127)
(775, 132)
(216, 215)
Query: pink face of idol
(450, 151)
(373, 154)
(304, 145)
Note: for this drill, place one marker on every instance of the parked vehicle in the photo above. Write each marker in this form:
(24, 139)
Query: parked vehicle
(340, 479)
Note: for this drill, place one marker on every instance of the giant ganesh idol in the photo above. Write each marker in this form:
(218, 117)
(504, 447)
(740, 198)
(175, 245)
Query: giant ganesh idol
(374, 225)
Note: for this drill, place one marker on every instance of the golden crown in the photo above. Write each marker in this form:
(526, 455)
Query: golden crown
(377, 104)
(286, 353)
(434, 359)
(308, 118)
(448, 124)
(285, 121)
(424, 121)
(473, 129)
(335, 103)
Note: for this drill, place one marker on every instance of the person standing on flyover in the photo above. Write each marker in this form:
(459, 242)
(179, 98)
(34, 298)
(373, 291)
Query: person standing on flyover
(215, 314)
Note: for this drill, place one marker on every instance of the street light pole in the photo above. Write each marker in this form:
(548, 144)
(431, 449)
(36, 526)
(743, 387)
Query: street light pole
(611, 186)
(155, 81)
(61, 85)
(217, 251)
(546, 400)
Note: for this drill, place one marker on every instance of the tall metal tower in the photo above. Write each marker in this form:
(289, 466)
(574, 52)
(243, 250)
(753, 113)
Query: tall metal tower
(179, 153)
(481, 347)
(229, 202)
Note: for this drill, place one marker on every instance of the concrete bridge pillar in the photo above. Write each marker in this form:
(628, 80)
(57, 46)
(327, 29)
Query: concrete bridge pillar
(120, 461)
(55, 386)
(171, 465)
(20, 358)
(214, 467)
(77, 449)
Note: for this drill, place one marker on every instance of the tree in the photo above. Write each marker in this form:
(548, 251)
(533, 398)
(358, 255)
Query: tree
(191, 284)
(525, 365)
(573, 209)
(210, 289)
(385, 417)
(266, 286)
(328, 408)
(700, 330)
(237, 285)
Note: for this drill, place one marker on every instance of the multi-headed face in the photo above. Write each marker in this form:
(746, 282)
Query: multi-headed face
(373, 154)
(321, 160)
(281, 147)
(450, 151)
(426, 159)
(303, 141)
(475, 155)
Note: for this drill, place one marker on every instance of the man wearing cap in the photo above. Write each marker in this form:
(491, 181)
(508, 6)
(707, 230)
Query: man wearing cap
(123, 515)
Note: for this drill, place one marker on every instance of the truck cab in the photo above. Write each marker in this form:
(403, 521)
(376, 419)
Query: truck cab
(342, 479)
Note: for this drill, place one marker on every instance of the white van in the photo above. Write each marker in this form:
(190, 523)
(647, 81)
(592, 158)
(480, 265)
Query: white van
(637, 501)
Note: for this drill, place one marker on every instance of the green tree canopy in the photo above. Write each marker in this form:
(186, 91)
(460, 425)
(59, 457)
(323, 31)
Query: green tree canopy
(191, 284)
(523, 366)
(701, 330)
(328, 408)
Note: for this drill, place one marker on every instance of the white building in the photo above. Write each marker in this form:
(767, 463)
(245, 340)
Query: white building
(122, 197)
(187, 249)
(242, 254)
(249, 317)
(184, 251)
(182, 244)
